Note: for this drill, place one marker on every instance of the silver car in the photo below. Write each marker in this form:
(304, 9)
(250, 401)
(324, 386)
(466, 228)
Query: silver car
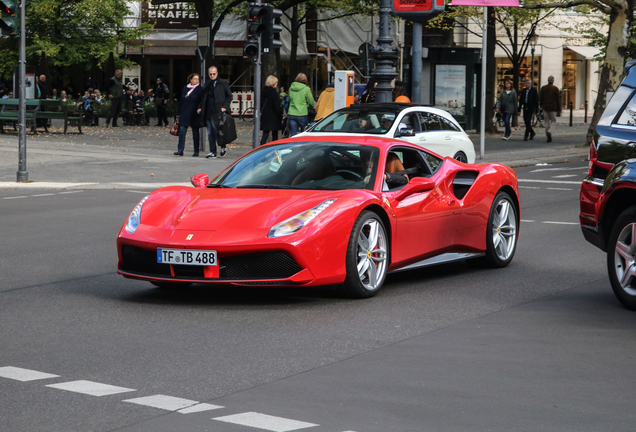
(431, 128)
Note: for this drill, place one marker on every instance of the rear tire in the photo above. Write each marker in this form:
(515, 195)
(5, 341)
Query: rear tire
(367, 257)
(501, 232)
(461, 157)
(621, 252)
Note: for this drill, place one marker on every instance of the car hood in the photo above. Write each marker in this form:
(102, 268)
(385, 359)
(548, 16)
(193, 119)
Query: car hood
(184, 208)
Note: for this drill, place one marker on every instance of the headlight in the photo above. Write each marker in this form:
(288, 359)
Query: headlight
(295, 223)
(135, 216)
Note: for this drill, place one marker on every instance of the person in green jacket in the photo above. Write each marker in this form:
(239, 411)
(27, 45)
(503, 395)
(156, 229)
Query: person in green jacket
(299, 98)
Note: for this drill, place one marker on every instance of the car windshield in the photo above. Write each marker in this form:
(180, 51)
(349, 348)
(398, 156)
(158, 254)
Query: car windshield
(306, 165)
(358, 120)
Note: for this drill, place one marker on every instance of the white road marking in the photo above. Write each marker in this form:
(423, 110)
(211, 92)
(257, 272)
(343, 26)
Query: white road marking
(39, 195)
(15, 197)
(198, 408)
(560, 169)
(528, 187)
(90, 388)
(550, 181)
(565, 176)
(20, 374)
(264, 421)
(139, 192)
(559, 188)
(560, 223)
(69, 192)
(526, 220)
(169, 403)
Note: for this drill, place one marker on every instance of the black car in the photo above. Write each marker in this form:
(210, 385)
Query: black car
(608, 193)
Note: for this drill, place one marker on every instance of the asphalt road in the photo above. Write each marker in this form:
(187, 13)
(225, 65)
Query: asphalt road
(541, 345)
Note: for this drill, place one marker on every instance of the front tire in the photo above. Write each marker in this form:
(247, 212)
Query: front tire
(501, 231)
(367, 257)
(621, 254)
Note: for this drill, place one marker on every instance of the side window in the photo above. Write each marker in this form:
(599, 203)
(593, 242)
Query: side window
(614, 105)
(628, 117)
(433, 162)
(448, 125)
(430, 122)
(408, 122)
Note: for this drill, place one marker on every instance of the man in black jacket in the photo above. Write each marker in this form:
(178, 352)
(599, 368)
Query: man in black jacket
(161, 100)
(529, 104)
(216, 99)
(115, 91)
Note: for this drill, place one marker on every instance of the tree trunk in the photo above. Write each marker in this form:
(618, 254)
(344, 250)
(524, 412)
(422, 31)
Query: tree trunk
(611, 73)
(491, 71)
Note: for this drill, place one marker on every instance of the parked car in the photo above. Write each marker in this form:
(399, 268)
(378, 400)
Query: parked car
(608, 193)
(327, 210)
(431, 128)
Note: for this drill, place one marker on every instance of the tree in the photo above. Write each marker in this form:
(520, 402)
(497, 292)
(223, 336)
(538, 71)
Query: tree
(73, 33)
(621, 15)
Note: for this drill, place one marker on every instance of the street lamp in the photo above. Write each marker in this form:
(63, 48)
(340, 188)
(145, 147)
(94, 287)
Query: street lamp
(533, 45)
(385, 56)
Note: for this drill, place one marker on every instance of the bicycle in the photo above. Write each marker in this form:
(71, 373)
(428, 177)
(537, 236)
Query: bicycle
(247, 114)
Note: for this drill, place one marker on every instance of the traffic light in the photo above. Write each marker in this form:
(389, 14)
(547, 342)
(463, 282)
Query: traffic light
(9, 18)
(269, 40)
(255, 26)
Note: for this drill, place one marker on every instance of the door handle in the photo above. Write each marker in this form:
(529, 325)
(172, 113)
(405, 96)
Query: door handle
(422, 138)
(448, 137)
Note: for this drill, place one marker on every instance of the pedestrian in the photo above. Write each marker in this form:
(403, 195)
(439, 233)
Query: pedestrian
(300, 98)
(271, 110)
(4, 91)
(368, 95)
(98, 96)
(54, 94)
(356, 97)
(551, 104)
(398, 90)
(187, 113)
(529, 104)
(161, 93)
(216, 99)
(284, 99)
(507, 104)
(115, 92)
(43, 92)
(324, 105)
(63, 96)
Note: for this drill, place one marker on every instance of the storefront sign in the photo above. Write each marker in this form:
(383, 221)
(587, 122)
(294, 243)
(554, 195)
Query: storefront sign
(417, 10)
(450, 88)
(179, 15)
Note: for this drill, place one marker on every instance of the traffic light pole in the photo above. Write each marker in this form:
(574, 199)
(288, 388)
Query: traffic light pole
(22, 174)
(257, 96)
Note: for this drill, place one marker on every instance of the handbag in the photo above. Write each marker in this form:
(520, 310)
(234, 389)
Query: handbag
(174, 130)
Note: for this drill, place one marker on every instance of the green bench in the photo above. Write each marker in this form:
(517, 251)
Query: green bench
(54, 109)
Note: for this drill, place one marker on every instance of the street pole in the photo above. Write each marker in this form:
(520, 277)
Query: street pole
(22, 174)
(416, 93)
(385, 55)
(484, 42)
(257, 95)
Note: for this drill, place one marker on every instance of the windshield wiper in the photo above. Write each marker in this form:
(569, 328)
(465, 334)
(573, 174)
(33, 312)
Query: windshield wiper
(261, 186)
(217, 185)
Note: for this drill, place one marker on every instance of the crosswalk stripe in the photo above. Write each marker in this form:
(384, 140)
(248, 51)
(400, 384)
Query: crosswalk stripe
(264, 421)
(20, 374)
(550, 181)
(90, 388)
(198, 408)
(170, 403)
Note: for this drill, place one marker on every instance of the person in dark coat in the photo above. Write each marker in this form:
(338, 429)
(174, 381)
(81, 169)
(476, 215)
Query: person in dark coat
(216, 99)
(115, 91)
(271, 110)
(187, 115)
(529, 104)
(161, 93)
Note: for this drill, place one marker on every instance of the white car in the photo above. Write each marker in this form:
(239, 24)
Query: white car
(431, 128)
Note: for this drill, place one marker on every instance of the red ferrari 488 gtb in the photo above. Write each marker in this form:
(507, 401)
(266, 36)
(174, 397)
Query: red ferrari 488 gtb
(311, 211)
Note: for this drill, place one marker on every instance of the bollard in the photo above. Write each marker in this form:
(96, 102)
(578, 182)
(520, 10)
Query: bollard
(571, 108)
(585, 121)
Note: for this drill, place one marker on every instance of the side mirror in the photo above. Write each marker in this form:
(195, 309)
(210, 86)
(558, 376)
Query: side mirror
(405, 132)
(417, 185)
(200, 181)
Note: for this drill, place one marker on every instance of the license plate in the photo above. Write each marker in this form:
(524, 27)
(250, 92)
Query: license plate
(187, 257)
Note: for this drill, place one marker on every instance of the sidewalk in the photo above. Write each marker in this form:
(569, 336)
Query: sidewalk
(135, 157)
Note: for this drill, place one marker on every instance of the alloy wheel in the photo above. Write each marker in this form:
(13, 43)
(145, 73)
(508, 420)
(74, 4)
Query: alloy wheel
(504, 229)
(372, 254)
(624, 258)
